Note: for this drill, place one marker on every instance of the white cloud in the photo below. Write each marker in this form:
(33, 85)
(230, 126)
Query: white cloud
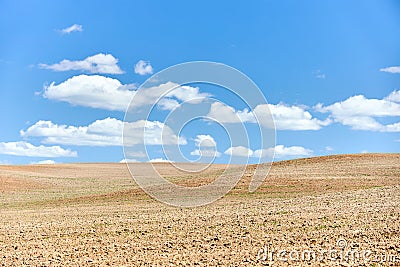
(394, 96)
(239, 151)
(285, 117)
(143, 68)
(72, 28)
(92, 91)
(183, 93)
(227, 114)
(262, 153)
(280, 152)
(167, 104)
(160, 160)
(49, 161)
(128, 161)
(358, 112)
(187, 93)
(207, 147)
(395, 69)
(205, 140)
(206, 152)
(97, 91)
(136, 154)
(329, 148)
(106, 132)
(173, 95)
(100, 63)
(22, 148)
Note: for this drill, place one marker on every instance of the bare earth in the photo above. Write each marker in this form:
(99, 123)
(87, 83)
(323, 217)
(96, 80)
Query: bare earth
(95, 215)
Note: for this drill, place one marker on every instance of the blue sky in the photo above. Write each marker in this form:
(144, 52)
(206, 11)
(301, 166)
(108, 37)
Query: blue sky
(329, 69)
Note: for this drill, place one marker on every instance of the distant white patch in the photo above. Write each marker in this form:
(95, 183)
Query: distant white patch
(395, 69)
(159, 160)
(319, 75)
(44, 162)
(329, 148)
(128, 161)
(72, 28)
(143, 68)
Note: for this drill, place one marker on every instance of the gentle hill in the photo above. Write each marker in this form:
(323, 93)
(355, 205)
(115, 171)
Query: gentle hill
(70, 183)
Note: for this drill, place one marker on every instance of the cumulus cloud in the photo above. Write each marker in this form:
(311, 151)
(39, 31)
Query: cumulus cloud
(97, 91)
(394, 96)
(285, 117)
(280, 152)
(167, 104)
(292, 151)
(207, 147)
(106, 132)
(26, 149)
(187, 93)
(359, 112)
(395, 69)
(143, 68)
(239, 151)
(172, 93)
(72, 28)
(93, 91)
(100, 63)
(227, 114)
(205, 140)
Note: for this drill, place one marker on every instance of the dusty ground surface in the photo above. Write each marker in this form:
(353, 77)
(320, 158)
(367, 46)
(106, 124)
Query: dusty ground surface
(95, 215)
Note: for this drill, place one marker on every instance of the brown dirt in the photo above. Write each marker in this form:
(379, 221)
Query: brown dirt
(94, 214)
